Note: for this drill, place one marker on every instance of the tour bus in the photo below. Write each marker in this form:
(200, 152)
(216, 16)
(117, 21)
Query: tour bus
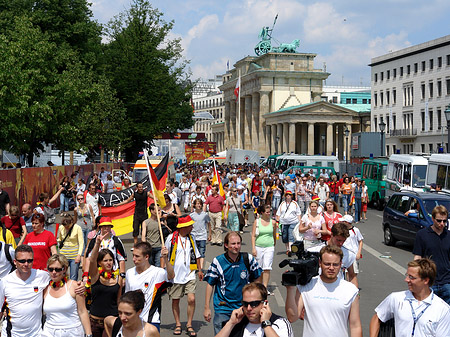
(286, 161)
(439, 171)
(373, 172)
(405, 166)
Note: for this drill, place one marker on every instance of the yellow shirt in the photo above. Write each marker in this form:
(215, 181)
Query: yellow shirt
(73, 245)
(9, 238)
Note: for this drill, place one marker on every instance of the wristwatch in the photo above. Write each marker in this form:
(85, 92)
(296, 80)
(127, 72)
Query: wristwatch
(122, 275)
(265, 324)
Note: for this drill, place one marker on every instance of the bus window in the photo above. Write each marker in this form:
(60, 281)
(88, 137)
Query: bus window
(441, 174)
(383, 172)
(398, 172)
(318, 163)
(330, 164)
(418, 175)
(300, 163)
(391, 171)
(374, 172)
(448, 181)
(407, 173)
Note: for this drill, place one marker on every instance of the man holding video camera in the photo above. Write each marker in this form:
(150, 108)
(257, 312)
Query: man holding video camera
(331, 303)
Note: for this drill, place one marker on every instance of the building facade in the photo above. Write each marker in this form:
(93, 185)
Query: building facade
(410, 91)
(281, 107)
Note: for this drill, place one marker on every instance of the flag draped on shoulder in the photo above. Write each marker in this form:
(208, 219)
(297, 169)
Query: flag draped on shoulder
(159, 179)
(216, 181)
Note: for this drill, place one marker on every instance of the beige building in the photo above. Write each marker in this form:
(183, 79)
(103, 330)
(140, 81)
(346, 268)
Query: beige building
(281, 110)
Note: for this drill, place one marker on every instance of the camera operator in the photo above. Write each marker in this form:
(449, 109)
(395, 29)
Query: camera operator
(331, 303)
(254, 317)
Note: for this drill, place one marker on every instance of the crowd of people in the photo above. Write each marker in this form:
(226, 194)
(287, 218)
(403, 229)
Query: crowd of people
(39, 262)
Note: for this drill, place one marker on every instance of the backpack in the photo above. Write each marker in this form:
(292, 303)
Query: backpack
(7, 254)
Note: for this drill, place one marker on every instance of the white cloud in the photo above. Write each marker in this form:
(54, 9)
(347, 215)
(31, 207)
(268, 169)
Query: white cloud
(198, 31)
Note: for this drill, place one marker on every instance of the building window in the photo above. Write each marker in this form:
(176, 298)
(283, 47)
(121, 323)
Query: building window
(388, 74)
(401, 71)
(375, 98)
(375, 77)
(381, 98)
(387, 124)
(447, 83)
(416, 68)
(431, 64)
(422, 91)
(448, 60)
(394, 121)
(422, 115)
(430, 119)
(408, 69)
(439, 88)
(430, 89)
(370, 101)
(364, 100)
(394, 75)
(423, 65)
(348, 101)
(334, 99)
(387, 97)
(381, 76)
(439, 120)
(375, 124)
(422, 146)
(354, 101)
(430, 146)
(394, 96)
(439, 62)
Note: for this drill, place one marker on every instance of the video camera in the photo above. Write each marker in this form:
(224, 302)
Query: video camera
(306, 266)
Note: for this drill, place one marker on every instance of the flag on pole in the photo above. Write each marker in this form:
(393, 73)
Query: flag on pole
(158, 179)
(237, 88)
(216, 181)
(192, 105)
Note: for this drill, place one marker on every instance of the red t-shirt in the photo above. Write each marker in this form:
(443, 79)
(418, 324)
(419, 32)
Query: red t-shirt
(14, 226)
(330, 220)
(256, 185)
(215, 203)
(41, 244)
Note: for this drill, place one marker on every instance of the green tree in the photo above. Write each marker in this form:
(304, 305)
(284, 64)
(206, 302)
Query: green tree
(149, 74)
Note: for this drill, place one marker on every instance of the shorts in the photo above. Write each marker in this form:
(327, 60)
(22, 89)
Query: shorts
(177, 291)
(356, 267)
(201, 245)
(138, 219)
(76, 331)
(287, 232)
(264, 256)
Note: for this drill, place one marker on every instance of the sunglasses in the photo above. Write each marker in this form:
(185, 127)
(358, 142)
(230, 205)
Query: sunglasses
(58, 270)
(253, 304)
(25, 260)
(441, 220)
(80, 199)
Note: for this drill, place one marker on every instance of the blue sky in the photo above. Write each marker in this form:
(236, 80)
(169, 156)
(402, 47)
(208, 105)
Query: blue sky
(345, 34)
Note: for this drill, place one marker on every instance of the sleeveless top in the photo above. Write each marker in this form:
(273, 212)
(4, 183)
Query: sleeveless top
(264, 238)
(61, 311)
(358, 191)
(141, 202)
(104, 299)
(119, 333)
(84, 219)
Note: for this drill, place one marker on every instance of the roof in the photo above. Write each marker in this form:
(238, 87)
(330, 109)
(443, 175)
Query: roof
(356, 107)
(345, 106)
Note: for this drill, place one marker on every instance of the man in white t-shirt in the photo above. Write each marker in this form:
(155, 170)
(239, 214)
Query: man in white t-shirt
(255, 318)
(92, 198)
(153, 281)
(322, 190)
(331, 304)
(417, 311)
(354, 242)
(185, 258)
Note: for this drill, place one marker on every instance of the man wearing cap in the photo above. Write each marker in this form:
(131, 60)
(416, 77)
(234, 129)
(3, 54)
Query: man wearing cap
(354, 242)
(288, 215)
(111, 242)
(185, 258)
(215, 202)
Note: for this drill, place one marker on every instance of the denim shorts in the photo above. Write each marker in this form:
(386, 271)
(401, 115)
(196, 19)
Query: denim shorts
(287, 233)
(201, 245)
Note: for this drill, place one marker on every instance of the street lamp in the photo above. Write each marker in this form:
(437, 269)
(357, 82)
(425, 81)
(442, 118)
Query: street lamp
(382, 127)
(346, 132)
(447, 117)
(277, 139)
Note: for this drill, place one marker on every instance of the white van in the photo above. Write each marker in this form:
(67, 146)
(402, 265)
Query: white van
(286, 161)
(439, 171)
(405, 166)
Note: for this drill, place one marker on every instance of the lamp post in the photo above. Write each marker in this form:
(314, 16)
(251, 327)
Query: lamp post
(447, 117)
(346, 132)
(277, 139)
(382, 127)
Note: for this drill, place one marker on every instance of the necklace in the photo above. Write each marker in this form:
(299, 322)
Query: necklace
(59, 284)
(108, 274)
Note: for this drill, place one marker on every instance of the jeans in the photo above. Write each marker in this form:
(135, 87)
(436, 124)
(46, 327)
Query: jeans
(155, 259)
(346, 201)
(201, 245)
(73, 269)
(276, 202)
(233, 221)
(358, 205)
(64, 203)
(335, 197)
(287, 233)
(85, 237)
(443, 291)
(219, 319)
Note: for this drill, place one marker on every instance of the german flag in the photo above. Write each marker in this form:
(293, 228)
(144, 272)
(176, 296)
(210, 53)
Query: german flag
(159, 180)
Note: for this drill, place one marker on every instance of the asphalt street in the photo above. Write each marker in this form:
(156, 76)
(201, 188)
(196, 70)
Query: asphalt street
(382, 270)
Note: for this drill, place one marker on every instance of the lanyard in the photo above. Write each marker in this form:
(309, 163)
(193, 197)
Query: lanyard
(416, 318)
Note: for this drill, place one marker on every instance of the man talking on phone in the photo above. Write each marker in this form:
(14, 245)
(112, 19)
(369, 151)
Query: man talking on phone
(254, 317)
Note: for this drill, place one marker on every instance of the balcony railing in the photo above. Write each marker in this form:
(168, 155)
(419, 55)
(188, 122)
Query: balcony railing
(403, 132)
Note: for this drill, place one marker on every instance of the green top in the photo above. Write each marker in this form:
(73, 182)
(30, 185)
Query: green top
(265, 235)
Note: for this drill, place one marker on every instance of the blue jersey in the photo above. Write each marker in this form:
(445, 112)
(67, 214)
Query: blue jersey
(229, 278)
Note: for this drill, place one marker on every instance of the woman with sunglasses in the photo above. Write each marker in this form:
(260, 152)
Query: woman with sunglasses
(106, 286)
(42, 241)
(71, 243)
(331, 216)
(66, 313)
(129, 322)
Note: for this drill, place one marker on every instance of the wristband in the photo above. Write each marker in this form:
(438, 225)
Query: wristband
(122, 275)
(85, 274)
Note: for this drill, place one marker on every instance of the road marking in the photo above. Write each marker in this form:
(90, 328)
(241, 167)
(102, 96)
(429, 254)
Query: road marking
(378, 215)
(389, 262)
(277, 294)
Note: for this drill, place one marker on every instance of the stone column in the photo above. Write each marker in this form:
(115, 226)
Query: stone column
(233, 125)
(264, 108)
(242, 124)
(304, 138)
(292, 137)
(329, 139)
(280, 138)
(286, 137)
(310, 139)
(247, 135)
(341, 141)
(273, 141)
(227, 123)
(349, 126)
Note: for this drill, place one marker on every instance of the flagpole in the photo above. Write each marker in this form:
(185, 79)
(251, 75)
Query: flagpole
(154, 198)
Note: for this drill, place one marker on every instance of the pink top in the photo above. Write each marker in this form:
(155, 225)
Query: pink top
(309, 234)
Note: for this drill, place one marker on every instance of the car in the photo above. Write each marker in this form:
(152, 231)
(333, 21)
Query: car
(407, 212)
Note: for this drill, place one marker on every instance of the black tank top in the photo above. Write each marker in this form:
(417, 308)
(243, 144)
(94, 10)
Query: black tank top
(141, 202)
(104, 299)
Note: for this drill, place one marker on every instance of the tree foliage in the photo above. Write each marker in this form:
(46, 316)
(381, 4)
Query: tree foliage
(148, 72)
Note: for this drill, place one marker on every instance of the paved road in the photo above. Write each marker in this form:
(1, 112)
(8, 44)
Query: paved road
(378, 277)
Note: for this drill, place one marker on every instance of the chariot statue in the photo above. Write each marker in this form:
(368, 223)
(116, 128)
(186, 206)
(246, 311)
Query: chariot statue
(265, 45)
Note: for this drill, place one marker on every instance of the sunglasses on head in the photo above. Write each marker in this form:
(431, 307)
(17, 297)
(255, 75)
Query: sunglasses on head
(253, 304)
(58, 270)
(25, 260)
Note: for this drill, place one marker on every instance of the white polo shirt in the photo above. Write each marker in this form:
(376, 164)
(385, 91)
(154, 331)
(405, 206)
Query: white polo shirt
(435, 320)
(24, 300)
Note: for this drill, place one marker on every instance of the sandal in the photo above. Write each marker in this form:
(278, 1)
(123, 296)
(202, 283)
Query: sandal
(190, 331)
(177, 330)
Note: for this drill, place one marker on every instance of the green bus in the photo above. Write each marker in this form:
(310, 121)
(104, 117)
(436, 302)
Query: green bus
(373, 172)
